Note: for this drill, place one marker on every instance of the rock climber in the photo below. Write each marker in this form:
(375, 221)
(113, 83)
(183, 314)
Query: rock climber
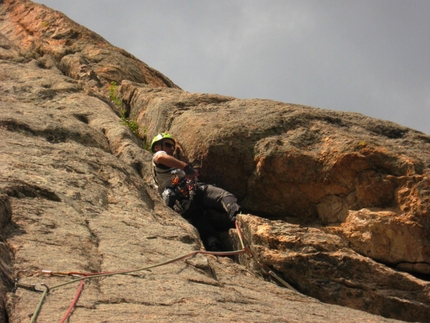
(177, 184)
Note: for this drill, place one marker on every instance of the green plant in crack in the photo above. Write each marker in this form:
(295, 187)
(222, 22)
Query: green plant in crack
(145, 142)
(140, 132)
(113, 94)
(130, 123)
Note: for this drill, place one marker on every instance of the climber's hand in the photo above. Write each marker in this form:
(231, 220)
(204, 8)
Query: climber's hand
(189, 170)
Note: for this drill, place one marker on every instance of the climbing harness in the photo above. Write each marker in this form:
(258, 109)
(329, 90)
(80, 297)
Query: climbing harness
(82, 277)
(184, 185)
(180, 193)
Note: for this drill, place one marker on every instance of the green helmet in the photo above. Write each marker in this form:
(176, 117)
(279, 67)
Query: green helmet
(160, 136)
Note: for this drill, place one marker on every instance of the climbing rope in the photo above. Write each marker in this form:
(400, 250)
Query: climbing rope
(75, 300)
(82, 277)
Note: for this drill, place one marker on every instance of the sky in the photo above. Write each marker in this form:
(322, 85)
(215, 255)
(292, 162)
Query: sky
(365, 56)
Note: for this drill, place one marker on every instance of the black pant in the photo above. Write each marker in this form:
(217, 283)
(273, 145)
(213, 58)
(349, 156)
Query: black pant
(210, 209)
(210, 196)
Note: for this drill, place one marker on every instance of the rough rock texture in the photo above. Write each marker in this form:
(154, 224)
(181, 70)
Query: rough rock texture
(368, 177)
(322, 265)
(350, 194)
(367, 181)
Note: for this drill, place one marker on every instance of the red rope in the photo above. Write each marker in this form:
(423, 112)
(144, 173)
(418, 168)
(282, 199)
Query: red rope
(75, 300)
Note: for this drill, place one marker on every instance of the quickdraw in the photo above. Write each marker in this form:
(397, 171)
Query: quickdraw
(25, 286)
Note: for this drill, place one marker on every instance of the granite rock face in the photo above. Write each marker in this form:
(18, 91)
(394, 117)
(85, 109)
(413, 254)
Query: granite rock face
(322, 265)
(338, 203)
(368, 179)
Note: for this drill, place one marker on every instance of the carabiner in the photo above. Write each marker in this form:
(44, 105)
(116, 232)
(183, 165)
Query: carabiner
(29, 287)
